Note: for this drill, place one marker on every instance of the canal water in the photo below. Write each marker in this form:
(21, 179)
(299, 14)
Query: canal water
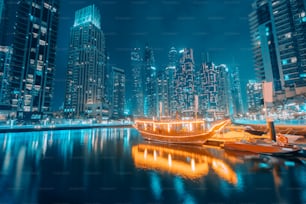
(118, 166)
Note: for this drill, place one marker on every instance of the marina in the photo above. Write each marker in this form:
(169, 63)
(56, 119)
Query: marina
(95, 165)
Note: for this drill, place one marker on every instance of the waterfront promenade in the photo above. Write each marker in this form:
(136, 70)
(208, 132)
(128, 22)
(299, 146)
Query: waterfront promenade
(65, 126)
(296, 127)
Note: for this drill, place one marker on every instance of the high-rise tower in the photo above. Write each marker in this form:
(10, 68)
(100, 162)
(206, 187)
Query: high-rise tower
(33, 58)
(236, 91)
(279, 44)
(86, 65)
(170, 73)
(5, 60)
(118, 99)
(149, 83)
(185, 90)
(254, 96)
(2, 21)
(137, 90)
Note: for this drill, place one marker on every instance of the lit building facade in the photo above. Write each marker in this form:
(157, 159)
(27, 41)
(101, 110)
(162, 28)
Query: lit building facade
(214, 91)
(254, 96)
(149, 80)
(278, 39)
(117, 104)
(163, 97)
(290, 30)
(223, 89)
(185, 85)
(2, 22)
(5, 60)
(137, 98)
(33, 59)
(208, 89)
(236, 94)
(170, 73)
(86, 66)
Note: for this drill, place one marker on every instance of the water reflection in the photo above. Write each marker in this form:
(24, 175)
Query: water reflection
(185, 161)
(279, 167)
(97, 165)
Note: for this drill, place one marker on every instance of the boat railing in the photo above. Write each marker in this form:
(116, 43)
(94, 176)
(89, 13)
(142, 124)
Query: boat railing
(182, 128)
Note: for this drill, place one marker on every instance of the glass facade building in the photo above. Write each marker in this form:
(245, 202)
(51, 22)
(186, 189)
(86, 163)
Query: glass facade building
(33, 59)
(236, 94)
(214, 90)
(254, 96)
(137, 90)
(5, 60)
(185, 84)
(86, 66)
(118, 98)
(278, 33)
(149, 81)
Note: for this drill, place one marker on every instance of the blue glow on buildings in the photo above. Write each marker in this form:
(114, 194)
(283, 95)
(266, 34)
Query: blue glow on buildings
(287, 77)
(303, 75)
(284, 62)
(89, 14)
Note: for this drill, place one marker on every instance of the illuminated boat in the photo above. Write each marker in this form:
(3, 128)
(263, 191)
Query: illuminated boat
(190, 162)
(179, 131)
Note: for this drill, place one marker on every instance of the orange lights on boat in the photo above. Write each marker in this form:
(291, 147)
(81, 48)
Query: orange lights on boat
(169, 122)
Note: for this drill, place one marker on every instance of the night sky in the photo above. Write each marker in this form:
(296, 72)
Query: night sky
(215, 26)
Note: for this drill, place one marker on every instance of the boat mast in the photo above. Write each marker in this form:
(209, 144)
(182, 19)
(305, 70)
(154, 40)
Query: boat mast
(196, 105)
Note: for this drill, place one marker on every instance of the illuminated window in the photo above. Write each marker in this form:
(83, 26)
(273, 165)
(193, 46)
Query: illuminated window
(293, 59)
(288, 35)
(287, 77)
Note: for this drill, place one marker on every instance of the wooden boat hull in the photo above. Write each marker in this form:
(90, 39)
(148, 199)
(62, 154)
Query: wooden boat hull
(260, 148)
(178, 139)
(166, 134)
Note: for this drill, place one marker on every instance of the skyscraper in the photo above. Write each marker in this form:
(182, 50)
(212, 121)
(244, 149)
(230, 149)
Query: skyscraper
(290, 30)
(118, 99)
(149, 83)
(236, 92)
(137, 88)
(185, 90)
(223, 90)
(33, 58)
(208, 89)
(86, 65)
(163, 97)
(170, 73)
(278, 39)
(3, 20)
(254, 96)
(5, 60)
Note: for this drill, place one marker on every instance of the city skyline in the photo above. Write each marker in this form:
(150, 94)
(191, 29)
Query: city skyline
(206, 65)
(220, 28)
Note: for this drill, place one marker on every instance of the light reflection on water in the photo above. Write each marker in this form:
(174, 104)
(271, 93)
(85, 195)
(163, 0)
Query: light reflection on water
(116, 165)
